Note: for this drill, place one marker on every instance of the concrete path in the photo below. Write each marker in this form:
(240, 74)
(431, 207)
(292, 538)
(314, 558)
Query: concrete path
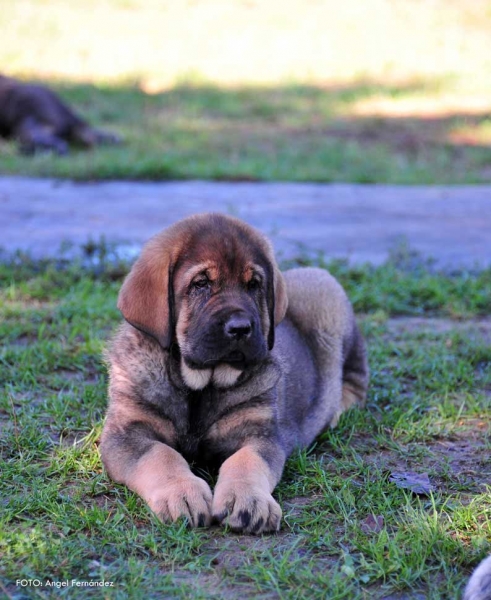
(358, 222)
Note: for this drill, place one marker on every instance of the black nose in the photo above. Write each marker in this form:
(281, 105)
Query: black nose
(238, 327)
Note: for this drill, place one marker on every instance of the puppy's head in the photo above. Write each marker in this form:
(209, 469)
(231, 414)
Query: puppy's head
(210, 284)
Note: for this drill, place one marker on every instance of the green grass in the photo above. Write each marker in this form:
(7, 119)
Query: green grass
(366, 92)
(428, 411)
(290, 132)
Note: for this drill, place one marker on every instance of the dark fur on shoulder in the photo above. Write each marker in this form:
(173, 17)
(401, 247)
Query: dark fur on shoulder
(39, 120)
(224, 360)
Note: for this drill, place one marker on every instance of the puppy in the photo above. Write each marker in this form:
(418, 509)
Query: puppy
(39, 120)
(224, 360)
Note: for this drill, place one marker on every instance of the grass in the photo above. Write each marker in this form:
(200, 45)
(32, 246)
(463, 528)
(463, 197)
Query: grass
(428, 411)
(379, 91)
(291, 132)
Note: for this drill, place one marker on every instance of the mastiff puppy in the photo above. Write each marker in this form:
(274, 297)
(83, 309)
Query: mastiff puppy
(224, 360)
(39, 120)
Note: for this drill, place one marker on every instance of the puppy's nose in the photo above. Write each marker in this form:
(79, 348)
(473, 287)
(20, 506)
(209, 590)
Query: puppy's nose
(238, 327)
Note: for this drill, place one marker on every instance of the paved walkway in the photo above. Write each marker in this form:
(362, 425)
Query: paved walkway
(359, 222)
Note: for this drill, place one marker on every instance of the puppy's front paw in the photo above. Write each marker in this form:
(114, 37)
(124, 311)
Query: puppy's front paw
(188, 497)
(245, 507)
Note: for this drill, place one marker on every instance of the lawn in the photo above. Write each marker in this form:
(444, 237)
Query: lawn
(373, 91)
(348, 531)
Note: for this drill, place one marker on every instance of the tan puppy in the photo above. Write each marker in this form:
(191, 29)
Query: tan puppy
(224, 360)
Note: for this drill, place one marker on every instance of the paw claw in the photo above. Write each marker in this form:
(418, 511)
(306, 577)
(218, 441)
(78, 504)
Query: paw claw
(244, 517)
(188, 498)
(254, 509)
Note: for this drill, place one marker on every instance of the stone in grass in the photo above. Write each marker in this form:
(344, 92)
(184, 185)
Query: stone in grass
(418, 483)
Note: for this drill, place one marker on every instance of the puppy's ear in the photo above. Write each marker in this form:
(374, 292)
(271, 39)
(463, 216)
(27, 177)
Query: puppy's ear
(280, 297)
(146, 299)
(277, 302)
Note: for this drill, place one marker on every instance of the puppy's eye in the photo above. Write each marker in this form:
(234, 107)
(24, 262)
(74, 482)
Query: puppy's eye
(254, 284)
(200, 283)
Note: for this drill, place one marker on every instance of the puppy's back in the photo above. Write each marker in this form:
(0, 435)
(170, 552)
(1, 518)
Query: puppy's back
(317, 302)
(319, 308)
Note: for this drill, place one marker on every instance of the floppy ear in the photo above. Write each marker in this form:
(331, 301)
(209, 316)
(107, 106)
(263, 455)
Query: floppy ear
(277, 302)
(146, 298)
(280, 297)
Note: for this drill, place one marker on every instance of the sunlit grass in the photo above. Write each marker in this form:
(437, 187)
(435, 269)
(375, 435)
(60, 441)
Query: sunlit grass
(373, 91)
(293, 132)
(247, 42)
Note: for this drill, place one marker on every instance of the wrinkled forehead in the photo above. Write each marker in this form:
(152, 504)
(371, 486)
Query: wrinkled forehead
(228, 252)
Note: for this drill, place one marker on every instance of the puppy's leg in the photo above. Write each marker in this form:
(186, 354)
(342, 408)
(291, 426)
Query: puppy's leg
(33, 136)
(242, 498)
(344, 381)
(355, 372)
(87, 136)
(156, 472)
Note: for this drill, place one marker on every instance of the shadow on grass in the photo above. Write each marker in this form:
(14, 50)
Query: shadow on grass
(290, 132)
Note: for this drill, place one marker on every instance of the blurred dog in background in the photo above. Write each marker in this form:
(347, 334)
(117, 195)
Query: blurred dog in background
(37, 118)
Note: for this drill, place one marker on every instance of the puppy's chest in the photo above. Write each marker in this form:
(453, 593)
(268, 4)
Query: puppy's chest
(192, 420)
(207, 426)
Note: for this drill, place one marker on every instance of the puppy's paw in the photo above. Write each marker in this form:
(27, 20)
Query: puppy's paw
(245, 507)
(188, 497)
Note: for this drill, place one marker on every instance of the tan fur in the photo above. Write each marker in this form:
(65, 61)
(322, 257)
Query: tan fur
(246, 481)
(225, 376)
(196, 379)
(126, 412)
(143, 299)
(143, 296)
(249, 414)
(164, 480)
(222, 376)
(319, 307)
(180, 380)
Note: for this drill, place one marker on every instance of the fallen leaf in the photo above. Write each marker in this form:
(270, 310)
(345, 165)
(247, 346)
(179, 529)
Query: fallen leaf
(418, 483)
(372, 524)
